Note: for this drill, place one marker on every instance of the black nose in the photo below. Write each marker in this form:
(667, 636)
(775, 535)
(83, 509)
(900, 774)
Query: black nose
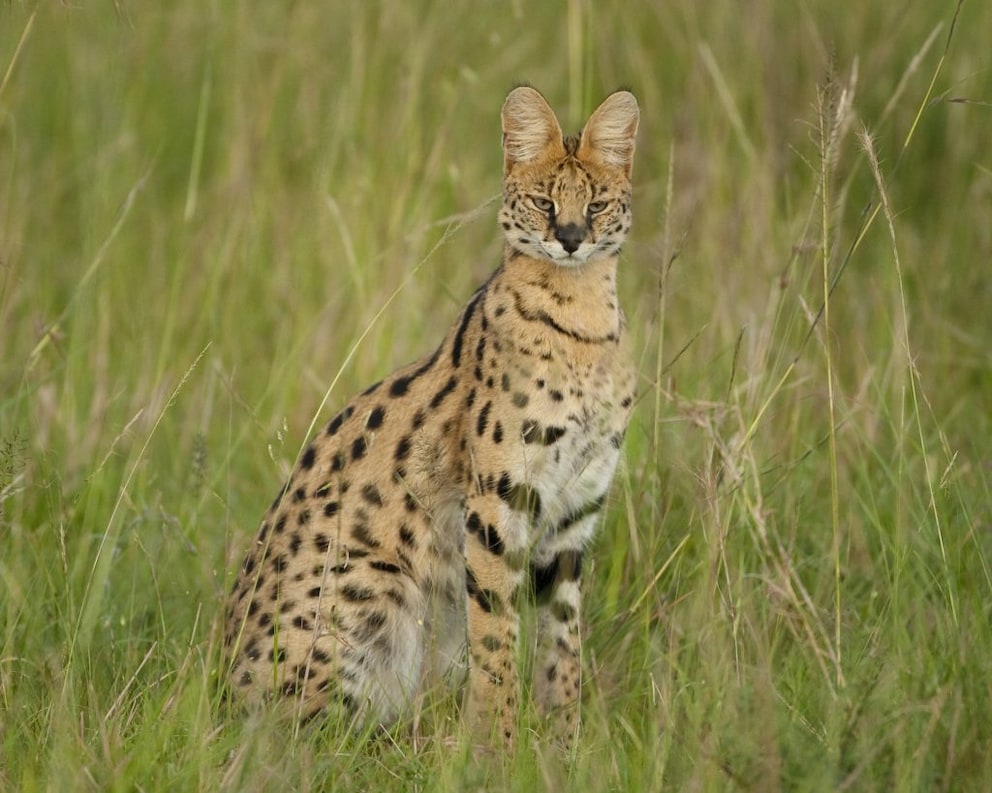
(570, 235)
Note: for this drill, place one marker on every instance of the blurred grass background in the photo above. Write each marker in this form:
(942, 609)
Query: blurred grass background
(205, 207)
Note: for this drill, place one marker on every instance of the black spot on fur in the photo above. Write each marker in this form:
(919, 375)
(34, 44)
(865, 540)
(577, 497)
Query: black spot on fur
(483, 420)
(407, 537)
(486, 599)
(533, 433)
(309, 458)
(566, 566)
(338, 420)
(562, 611)
(401, 385)
(356, 594)
(376, 418)
(520, 497)
(441, 395)
(362, 533)
(278, 498)
(371, 627)
(371, 495)
(486, 533)
(580, 513)
(456, 345)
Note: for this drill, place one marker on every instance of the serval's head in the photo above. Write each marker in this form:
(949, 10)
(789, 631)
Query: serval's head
(567, 199)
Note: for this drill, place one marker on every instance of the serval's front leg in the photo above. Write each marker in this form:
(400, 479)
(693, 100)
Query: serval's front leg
(559, 668)
(494, 572)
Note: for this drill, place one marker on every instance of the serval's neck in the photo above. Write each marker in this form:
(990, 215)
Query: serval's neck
(579, 301)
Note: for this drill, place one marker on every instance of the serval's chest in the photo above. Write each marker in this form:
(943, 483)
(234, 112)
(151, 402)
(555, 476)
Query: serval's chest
(554, 411)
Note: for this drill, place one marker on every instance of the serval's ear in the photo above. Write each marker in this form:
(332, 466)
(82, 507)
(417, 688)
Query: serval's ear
(530, 129)
(610, 132)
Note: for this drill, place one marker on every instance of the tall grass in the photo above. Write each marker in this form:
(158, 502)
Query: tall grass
(218, 220)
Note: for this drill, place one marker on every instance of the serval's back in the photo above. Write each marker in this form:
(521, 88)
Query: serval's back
(414, 517)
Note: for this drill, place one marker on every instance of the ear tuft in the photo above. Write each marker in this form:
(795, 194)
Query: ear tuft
(610, 133)
(529, 127)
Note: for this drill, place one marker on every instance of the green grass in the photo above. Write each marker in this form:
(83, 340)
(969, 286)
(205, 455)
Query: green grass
(218, 220)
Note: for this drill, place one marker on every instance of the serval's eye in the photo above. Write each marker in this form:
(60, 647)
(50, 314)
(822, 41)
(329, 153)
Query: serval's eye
(596, 207)
(542, 204)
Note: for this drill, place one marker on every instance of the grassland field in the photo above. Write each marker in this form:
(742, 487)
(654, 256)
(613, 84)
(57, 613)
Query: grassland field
(219, 219)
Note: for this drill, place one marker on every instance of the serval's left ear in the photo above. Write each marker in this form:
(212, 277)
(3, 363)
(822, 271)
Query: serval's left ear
(610, 132)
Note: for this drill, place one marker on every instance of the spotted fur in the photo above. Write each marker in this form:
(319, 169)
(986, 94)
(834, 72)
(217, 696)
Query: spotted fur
(416, 517)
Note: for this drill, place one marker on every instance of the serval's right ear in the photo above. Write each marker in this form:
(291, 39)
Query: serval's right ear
(530, 128)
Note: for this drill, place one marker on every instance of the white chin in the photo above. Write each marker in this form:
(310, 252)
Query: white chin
(581, 256)
(559, 256)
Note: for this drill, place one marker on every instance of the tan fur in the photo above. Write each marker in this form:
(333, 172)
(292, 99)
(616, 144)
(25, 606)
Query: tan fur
(413, 520)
